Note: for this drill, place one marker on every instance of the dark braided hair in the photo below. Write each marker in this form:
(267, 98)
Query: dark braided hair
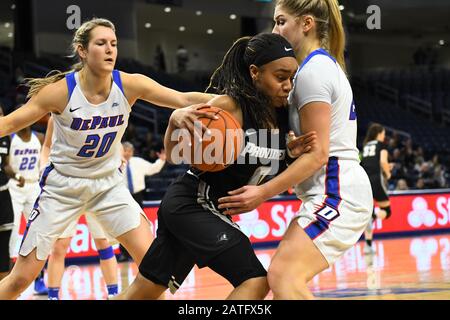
(233, 78)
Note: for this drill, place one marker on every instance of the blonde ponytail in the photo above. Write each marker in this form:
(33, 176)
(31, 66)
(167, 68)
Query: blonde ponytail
(81, 38)
(336, 34)
(329, 28)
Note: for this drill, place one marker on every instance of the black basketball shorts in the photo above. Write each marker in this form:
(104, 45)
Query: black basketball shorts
(379, 189)
(189, 234)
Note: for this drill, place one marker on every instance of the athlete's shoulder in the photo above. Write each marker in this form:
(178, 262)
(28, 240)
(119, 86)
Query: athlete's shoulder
(125, 75)
(133, 84)
(320, 66)
(130, 79)
(382, 145)
(224, 102)
(54, 95)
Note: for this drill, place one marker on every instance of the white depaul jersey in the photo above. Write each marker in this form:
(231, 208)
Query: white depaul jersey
(24, 157)
(86, 138)
(321, 79)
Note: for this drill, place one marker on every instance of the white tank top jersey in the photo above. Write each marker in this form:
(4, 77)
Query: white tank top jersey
(24, 157)
(321, 79)
(86, 138)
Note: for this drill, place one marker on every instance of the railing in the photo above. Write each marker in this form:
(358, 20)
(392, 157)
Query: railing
(416, 104)
(32, 69)
(446, 116)
(146, 113)
(391, 130)
(387, 92)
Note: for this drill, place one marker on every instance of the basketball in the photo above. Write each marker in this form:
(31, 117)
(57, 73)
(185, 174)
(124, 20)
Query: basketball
(220, 149)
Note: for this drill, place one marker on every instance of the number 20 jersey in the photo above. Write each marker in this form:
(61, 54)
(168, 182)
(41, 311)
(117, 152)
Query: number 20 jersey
(86, 138)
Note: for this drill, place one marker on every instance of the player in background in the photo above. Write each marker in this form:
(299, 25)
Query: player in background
(375, 162)
(24, 160)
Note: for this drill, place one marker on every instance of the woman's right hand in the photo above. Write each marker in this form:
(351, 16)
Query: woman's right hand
(188, 118)
(299, 145)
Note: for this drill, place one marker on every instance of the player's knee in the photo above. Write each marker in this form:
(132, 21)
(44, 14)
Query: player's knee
(388, 211)
(59, 249)
(20, 282)
(275, 275)
(282, 279)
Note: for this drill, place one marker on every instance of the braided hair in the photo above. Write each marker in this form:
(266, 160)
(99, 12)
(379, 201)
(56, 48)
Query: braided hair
(233, 78)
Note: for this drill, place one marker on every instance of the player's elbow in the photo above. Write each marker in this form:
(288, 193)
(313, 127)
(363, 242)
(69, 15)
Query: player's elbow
(321, 156)
(169, 159)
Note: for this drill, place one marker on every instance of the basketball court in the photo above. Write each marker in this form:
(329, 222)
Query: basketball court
(414, 268)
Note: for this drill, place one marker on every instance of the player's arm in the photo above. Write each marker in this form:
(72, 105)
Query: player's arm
(49, 99)
(315, 116)
(183, 122)
(45, 151)
(385, 164)
(138, 86)
(155, 167)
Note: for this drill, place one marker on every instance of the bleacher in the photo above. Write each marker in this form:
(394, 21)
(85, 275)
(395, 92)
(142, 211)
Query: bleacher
(422, 89)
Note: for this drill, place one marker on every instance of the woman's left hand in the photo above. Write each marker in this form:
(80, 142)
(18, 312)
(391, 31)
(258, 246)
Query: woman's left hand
(242, 200)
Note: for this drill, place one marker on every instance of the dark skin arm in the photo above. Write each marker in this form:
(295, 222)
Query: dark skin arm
(186, 117)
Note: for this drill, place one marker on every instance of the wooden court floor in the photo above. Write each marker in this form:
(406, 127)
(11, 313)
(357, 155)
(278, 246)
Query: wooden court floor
(405, 268)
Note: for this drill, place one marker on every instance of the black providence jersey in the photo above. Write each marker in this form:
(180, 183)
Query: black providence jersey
(263, 155)
(371, 157)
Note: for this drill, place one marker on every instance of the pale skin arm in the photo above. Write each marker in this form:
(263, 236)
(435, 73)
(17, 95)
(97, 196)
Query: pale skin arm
(385, 164)
(155, 167)
(45, 151)
(315, 116)
(138, 86)
(52, 98)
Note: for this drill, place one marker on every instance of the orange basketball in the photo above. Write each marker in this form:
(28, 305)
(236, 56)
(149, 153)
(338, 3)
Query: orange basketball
(222, 147)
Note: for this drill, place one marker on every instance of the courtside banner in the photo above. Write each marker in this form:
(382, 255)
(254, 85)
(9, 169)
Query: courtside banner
(411, 212)
(416, 212)
(266, 224)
